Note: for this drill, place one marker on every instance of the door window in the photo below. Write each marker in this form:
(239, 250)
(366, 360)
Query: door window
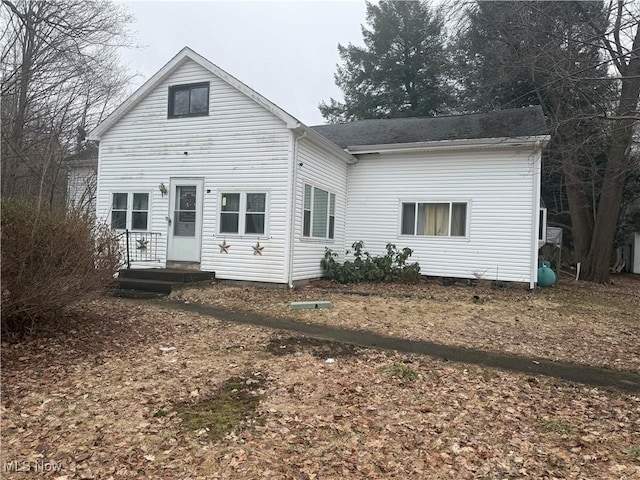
(185, 211)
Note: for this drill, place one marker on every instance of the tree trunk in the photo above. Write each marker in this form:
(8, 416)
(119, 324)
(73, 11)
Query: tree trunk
(580, 212)
(596, 264)
(15, 149)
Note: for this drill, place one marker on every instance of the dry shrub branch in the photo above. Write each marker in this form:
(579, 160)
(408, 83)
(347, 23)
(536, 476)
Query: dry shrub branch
(50, 258)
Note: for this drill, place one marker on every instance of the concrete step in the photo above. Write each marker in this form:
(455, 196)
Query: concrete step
(127, 293)
(145, 285)
(166, 275)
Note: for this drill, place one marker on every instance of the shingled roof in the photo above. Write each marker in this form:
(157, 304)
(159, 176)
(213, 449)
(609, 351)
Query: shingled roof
(516, 122)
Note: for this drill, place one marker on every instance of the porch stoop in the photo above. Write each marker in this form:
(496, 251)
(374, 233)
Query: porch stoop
(153, 282)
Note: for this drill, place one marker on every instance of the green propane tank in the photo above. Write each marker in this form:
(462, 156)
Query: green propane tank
(546, 277)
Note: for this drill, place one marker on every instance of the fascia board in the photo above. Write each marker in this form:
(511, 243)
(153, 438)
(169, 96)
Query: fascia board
(462, 144)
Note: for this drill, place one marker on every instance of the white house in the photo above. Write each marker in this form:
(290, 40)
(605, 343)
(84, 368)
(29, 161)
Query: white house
(207, 174)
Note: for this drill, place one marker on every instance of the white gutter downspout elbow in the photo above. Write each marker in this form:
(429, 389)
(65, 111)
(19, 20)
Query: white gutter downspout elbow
(292, 214)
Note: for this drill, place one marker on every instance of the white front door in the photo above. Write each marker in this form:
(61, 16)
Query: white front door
(185, 227)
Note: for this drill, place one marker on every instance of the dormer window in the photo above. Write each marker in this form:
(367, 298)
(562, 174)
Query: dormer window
(189, 100)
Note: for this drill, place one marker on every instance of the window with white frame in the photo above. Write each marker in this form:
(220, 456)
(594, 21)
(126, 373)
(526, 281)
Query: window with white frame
(319, 213)
(436, 219)
(129, 211)
(243, 213)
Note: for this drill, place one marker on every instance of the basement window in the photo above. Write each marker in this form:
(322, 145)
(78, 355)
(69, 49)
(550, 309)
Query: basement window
(189, 100)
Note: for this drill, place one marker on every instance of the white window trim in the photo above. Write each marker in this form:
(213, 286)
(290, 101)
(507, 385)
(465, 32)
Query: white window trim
(311, 238)
(437, 237)
(129, 215)
(242, 212)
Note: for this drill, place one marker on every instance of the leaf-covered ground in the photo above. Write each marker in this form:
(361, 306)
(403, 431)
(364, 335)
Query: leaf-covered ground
(104, 400)
(598, 325)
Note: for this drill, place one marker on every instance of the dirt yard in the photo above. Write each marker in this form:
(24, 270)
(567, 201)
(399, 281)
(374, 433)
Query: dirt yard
(138, 390)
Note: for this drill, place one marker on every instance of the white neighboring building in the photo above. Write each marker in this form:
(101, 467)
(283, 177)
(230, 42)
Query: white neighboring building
(215, 177)
(82, 178)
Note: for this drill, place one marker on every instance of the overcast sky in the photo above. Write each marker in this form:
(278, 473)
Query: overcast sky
(285, 50)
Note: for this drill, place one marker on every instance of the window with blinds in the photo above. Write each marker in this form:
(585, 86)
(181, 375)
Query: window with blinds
(319, 210)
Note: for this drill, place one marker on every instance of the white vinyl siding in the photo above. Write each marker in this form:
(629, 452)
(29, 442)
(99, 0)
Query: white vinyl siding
(327, 172)
(497, 187)
(238, 147)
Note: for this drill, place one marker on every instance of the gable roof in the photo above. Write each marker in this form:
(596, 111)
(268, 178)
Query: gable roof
(187, 54)
(513, 123)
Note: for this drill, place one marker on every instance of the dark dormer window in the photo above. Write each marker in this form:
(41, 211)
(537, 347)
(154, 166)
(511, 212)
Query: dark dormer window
(190, 100)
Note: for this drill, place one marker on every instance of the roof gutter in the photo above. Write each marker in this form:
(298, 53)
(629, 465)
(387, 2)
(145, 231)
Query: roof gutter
(463, 144)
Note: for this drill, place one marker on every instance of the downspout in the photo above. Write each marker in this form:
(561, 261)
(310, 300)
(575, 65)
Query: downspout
(536, 214)
(292, 200)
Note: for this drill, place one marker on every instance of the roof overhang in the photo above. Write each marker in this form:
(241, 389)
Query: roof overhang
(323, 141)
(537, 141)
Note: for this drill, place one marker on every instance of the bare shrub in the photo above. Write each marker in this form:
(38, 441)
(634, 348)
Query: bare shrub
(49, 260)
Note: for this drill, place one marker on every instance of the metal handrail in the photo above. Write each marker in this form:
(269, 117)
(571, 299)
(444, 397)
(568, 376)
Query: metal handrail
(139, 246)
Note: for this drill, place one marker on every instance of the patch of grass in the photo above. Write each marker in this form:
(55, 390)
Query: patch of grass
(634, 454)
(577, 303)
(318, 348)
(401, 371)
(233, 404)
(160, 414)
(555, 426)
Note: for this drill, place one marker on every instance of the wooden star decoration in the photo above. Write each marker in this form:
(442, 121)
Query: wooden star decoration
(142, 244)
(257, 249)
(224, 247)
